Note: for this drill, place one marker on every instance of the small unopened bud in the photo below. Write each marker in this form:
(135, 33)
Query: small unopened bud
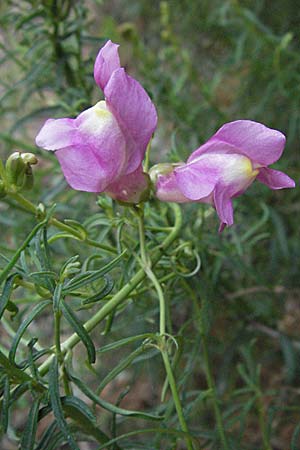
(15, 169)
(41, 211)
(18, 170)
(162, 169)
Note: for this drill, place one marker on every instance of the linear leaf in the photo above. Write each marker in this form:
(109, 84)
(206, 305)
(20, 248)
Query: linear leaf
(57, 406)
(6, 293)
(124, 341)
(13, 371)
(17, 254)
(77, 410)
(106, 289)
(109, 406)
(91, 276)
(296, 438)
(80, 330)
(5, 406)
(28, 435)
(123, 364)
(26, 322)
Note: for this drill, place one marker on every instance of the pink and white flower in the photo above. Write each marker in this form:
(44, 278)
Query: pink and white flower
(224, 167)
(103, 148)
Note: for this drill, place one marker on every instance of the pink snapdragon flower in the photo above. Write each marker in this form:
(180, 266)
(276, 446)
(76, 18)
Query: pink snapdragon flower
(224, 167)
(103, 148)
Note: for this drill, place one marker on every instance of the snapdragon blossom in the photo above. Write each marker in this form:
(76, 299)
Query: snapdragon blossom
(224, 167)
(103, 148)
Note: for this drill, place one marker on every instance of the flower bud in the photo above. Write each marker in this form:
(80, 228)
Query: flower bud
(18, 170)
(15, 169)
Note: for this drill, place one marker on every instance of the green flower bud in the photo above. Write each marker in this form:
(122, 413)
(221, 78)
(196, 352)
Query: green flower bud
(15, 169)
(18, 170)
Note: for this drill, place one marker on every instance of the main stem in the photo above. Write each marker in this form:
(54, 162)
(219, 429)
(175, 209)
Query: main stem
(162, 326)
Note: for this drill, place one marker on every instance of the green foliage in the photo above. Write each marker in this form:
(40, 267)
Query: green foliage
(71, 271)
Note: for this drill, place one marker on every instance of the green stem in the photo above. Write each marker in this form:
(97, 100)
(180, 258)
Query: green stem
(31, 208)
(120, 296)
(176, 398)
(208, 371)
(26, 204)
(146, 262)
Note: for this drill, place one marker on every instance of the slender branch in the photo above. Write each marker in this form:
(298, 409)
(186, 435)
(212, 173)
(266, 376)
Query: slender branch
(122, 295)
(146, 264)
(31, 208)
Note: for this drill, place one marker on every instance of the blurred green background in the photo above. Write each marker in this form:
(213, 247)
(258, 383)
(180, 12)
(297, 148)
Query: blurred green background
(204, 63)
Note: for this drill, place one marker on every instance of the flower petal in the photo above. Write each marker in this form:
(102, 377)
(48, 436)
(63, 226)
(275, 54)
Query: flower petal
(135, 113)
(223, 205)
(198, 179)
(275, 179)
(259, 143)
(56, 134)
(101, 135)
(106, 62)
(98, 156)
(81, 169)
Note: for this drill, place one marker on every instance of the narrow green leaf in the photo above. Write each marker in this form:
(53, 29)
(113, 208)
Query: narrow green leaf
(26, 322)
(28, 435)
(290, 356)
(155, 432)
(80, 330)
(109, 406)
(123, 364)
(17, 254)
(77, 410)
(106, 289)
(57, 296)
(5, 406)
(57, 406)
(13, 371)
(295, 442)
(124, 341)
(45, 441)
(6, 293)
(88, 277)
